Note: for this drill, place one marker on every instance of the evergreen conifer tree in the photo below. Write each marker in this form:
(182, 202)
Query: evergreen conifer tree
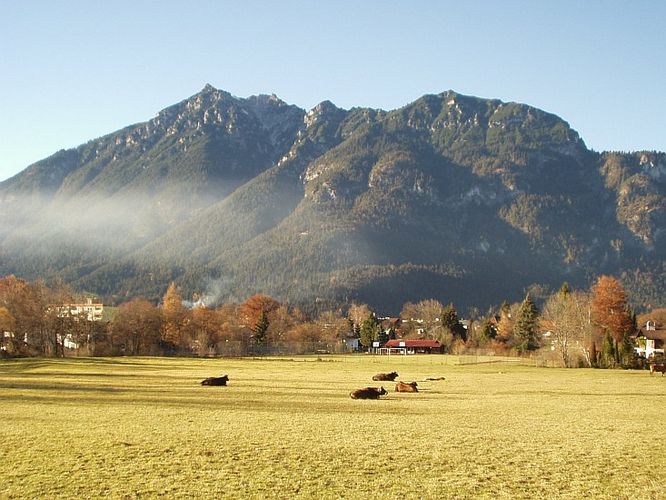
(260, 329)
(369, 330)
(608, 358)
(451, 321)
(488, 332)
(525, 330)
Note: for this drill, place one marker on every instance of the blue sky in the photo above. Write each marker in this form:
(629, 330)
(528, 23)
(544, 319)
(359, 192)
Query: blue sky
(73, 70)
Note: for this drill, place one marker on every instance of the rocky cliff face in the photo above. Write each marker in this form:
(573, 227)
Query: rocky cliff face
(452, 197)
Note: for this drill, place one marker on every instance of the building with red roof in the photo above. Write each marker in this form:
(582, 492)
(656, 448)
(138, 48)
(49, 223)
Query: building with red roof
(416, 346)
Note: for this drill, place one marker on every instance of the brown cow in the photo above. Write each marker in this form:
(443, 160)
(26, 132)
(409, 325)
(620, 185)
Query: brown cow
(658, 367)
(386, 376)
(215, 380)
(406, 387)
(368, 393)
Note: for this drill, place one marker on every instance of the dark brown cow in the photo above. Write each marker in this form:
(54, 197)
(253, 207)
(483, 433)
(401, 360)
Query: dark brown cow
(406, 387)
(658, 367)
(386, 376)
(215, 380)
(368, 393)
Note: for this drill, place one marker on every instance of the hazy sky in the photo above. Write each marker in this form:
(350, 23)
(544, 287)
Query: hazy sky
(71, 71)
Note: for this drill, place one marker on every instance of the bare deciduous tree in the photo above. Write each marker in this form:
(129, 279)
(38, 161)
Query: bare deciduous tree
(566, 315)
(135, 330)
(357, 314)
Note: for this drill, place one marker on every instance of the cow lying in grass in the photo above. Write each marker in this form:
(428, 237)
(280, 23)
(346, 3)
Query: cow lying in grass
(405, 387)
(215, 380)
(658, 367)
(386, 376)
(368, 393)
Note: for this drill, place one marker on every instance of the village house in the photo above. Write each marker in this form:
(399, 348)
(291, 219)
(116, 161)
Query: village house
(92, 311)
(414, 346)
(89, 310)
(650, 340)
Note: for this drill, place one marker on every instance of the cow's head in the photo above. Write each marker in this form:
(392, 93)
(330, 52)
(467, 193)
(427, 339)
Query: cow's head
(382, 391)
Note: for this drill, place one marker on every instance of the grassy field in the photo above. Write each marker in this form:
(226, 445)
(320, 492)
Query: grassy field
(129, 427)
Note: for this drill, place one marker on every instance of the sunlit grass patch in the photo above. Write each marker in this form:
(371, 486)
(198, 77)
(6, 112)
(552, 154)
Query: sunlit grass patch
(287, 427)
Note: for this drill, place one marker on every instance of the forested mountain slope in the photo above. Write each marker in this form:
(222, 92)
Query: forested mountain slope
(451, 197)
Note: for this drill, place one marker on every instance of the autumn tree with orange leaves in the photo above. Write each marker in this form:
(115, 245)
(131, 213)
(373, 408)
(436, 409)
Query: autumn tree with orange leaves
(609, 308)
(252, 308)
(256, 312)
(613, 318)
(174, 315)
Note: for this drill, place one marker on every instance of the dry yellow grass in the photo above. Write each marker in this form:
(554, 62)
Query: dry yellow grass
(287, 428)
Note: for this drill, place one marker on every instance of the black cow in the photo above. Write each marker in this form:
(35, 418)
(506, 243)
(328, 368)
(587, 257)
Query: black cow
(386, 376)
(368, 393)
(215, 380)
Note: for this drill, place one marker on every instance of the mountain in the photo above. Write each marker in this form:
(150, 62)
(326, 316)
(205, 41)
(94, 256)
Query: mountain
(450, 197)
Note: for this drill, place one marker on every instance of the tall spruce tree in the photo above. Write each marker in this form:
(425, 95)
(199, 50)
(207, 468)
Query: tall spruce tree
(260, 330)
(488, 331)
(369, 330)
(451, 321)
(609, 357)
(525, 329)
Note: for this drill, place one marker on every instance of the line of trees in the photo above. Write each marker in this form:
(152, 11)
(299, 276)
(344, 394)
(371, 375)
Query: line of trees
(260, 325)
(583, 328)
(33, 324)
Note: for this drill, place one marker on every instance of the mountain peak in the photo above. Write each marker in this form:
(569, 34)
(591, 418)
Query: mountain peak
(222, 188)
(324, 107)
(266, 100)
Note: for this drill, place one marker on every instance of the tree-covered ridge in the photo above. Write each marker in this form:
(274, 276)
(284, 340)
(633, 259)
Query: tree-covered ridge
(450, 194)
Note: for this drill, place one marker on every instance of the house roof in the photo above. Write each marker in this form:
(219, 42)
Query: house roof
(653, 334)
(414, 343)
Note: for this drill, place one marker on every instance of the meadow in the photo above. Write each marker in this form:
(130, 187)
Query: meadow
(286, 427)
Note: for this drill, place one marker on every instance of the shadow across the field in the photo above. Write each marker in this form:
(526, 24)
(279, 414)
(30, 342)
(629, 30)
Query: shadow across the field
(84, 375)
(19, 365)
(493, 362)
(159, 401)
(31, 386)
(604, 394)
